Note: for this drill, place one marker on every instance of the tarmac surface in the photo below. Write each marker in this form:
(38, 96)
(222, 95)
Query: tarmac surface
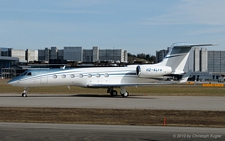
(67, 132)
(58, 132)
(107, 102)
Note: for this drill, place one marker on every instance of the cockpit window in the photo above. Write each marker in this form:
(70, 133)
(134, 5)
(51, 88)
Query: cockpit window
(26, 74)
(29, 74)
(23, 74)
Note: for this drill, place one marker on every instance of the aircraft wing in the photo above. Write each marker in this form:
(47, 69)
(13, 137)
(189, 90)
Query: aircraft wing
(91, 85)
(103, 85)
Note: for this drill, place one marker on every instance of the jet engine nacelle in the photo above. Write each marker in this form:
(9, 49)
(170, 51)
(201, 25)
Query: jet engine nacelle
(152, 70)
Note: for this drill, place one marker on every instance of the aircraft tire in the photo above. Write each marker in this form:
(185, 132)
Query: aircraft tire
(24, 95)
(126, 94)
(113, 93)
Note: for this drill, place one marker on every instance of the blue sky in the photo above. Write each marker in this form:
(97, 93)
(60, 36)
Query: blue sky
(139, 26)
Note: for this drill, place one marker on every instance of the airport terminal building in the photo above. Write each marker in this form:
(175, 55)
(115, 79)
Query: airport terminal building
(11, 58)
(79, 54)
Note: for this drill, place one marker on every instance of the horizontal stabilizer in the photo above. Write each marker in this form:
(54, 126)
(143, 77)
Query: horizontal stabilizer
(185, 77)
(191, 45)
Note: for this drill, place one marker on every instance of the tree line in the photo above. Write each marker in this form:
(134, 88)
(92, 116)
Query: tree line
(147, 57)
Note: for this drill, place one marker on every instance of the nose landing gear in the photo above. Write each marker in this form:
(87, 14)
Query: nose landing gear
(24, 94)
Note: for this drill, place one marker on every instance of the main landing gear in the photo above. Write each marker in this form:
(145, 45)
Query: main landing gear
(24, 94)
(113, 93)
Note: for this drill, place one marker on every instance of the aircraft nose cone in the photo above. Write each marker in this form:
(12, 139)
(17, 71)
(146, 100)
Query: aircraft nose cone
(11, 82)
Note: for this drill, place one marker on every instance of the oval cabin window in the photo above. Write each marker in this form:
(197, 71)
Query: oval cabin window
(54, 76)
(106, 75)
(72, 75)
(89, 75)
(98, 75)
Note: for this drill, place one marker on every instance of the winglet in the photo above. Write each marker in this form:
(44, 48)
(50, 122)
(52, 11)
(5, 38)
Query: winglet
(185, 77)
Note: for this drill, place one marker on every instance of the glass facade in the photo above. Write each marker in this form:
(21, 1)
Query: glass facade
(6, 52)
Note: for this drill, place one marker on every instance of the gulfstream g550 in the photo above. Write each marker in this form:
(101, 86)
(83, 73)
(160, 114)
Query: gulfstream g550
(111, 77)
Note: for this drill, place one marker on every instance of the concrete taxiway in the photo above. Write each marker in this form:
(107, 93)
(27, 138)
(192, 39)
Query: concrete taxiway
(59, 132)
(99, 101)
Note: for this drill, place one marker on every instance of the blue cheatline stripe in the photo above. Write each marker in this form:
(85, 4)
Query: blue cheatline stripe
(85, 74)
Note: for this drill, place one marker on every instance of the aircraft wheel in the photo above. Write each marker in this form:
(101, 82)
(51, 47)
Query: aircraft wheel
(113, 93)
(24, 95)
(126, 94)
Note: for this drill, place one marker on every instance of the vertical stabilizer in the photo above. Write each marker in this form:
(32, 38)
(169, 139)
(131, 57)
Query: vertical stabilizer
(178, 55)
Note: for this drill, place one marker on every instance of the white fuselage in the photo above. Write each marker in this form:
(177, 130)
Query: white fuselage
(90, 77)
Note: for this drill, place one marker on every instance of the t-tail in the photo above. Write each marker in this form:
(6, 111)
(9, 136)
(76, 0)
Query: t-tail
(178, 55)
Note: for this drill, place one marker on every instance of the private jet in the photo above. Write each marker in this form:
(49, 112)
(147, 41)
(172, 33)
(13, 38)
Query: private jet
(112, 77)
